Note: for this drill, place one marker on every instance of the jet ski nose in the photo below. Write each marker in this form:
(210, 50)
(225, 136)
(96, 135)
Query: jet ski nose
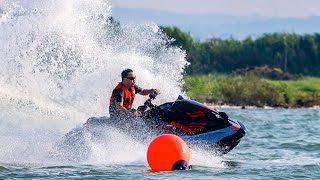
(241, 131)
(242, 126)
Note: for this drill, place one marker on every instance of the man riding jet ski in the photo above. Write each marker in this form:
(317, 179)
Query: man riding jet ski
(191, 120)
(194, 122)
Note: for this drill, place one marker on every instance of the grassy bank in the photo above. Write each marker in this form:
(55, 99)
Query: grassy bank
(251, 90)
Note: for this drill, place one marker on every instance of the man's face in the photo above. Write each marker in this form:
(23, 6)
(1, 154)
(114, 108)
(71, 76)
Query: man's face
(129, 81)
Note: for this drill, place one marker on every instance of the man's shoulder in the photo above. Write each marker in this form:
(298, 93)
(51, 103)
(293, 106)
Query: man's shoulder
(137, 88)
(117, 91)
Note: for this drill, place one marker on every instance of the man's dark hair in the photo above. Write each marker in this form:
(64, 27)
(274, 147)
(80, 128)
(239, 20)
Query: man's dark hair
(125, 73)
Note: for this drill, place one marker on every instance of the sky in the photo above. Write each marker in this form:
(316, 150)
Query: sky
(267, 8)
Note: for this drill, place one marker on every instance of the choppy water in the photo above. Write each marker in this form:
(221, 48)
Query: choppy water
(279, 144)
(60, 61)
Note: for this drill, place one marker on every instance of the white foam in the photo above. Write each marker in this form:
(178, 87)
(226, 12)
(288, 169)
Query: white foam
(60, 61)
(200, 157)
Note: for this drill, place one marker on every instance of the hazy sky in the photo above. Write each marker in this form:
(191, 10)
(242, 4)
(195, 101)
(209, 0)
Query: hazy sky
(270, 8)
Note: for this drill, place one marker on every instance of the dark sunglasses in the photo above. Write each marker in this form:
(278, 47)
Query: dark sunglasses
(131, 78)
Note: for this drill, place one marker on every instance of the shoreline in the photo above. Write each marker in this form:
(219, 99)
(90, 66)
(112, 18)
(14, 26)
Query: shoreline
(228, 106)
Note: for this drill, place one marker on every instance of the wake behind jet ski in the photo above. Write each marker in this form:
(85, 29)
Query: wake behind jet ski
(194, 122)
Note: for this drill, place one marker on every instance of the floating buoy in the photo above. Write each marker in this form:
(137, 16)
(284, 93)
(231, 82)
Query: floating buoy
(168, 152)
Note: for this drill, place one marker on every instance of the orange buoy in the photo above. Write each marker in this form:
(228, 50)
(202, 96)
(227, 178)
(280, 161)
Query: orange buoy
(168, 152)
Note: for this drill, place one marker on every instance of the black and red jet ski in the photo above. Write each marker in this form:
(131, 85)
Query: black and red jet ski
(194, 122)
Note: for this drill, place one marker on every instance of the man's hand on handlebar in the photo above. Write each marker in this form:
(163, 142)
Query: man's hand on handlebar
(136, 113)
(153, 94)
(157, 91)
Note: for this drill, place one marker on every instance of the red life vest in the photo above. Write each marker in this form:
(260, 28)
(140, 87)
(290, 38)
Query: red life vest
(128, 96)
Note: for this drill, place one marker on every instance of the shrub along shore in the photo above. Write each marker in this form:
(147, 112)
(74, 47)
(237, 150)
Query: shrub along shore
(250, 90)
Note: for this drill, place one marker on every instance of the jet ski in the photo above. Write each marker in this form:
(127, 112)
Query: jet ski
(197, 124)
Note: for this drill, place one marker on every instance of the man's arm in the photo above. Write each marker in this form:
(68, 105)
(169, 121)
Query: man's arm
(122, 110)
(145, 92)
(119, 107)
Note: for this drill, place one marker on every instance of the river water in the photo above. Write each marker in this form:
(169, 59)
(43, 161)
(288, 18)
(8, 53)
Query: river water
(279, 144)
(60, 61)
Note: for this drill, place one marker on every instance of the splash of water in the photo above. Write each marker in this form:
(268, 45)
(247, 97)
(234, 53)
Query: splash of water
(71, 53)
(60, 61)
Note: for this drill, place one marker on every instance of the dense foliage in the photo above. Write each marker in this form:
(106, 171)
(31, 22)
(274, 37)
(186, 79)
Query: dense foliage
(251, 90)
(290, 52)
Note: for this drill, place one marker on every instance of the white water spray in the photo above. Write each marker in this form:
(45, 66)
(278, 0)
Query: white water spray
(60, 61)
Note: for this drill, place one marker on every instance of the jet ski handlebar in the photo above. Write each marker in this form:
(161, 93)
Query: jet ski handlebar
(148, 104)
(153, 94)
